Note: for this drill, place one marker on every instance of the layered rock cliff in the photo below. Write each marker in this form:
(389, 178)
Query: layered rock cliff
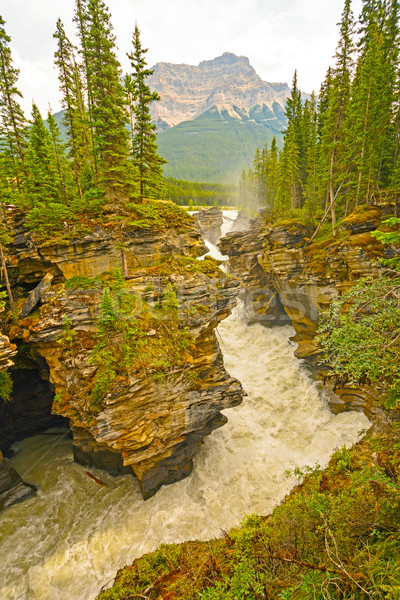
(227, 82)
(208, 222)
(284, 279)
(132, 362)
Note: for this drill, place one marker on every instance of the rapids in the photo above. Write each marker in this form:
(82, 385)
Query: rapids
(72, 537)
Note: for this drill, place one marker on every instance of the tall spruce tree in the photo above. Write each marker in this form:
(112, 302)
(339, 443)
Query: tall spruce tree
(107, 105)
(75, 119)
(63, 180)
(260, 174)
(310, 137)
(44, 181)
(290, 187)
(373, 105)
(333, 138)
(82, 22)
(272, 174)
(146, 159)
(12, 119)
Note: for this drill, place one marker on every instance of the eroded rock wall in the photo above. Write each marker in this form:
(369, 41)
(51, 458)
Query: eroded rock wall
(286, 279)
(150, 421)
(209, 222)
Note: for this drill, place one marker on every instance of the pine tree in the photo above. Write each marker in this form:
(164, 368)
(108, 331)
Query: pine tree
(393, 26)
(82, 21)
(333, 141)
(290, 182)
(63, 182)
(372, 115)
(75, 119)
(272, 173)
(311, 182)
(323, 101)
(259, 170)
(12, 119)
(144, 141)
(107, 104)
(42, 183)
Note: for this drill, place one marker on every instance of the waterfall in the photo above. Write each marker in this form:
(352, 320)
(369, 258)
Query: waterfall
(72, 537)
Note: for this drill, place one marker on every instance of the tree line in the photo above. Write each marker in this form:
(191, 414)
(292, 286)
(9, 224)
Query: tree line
(189, 193)
(341, 149)
(110, 154)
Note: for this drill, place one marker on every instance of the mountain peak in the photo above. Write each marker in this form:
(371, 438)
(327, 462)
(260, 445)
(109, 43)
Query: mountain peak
(227, 82)
(227, 58)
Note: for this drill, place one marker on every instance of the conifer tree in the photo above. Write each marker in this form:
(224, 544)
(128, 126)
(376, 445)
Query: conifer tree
(107, 105)
(290, 189)
(146, 159)
(75, 119)
(373, 106)
(42, 183)
(63, 181)
(323, 101)
(311, 185)
(333, 141)
(82, 21)
(12, 119)
(272, 173)
(260, 174)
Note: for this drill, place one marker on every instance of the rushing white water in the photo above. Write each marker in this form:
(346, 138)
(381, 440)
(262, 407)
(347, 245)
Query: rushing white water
(70, 539)
(228, 217)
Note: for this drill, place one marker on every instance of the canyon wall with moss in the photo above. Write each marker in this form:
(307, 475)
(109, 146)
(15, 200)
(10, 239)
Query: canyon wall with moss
(286, 279)
(130, 361)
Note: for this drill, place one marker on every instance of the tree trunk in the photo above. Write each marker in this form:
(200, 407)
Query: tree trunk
(6, 279)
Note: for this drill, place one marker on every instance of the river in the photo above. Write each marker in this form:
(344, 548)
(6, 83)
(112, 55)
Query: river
(71, 538)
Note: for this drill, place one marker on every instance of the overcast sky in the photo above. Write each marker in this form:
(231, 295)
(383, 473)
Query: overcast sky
(277, 36)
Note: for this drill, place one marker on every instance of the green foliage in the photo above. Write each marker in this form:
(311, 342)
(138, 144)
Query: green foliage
(178, 263)
(360, 334)
(335, 536)
(342, 457)
(215, 147)
(132, 335)
(389, 233)
(68, 338)
(3, 298)
(5, 386)
(242, 585)
(145, 155)
(189, 193)
(159, 215)
(81, 282)
(46, 219)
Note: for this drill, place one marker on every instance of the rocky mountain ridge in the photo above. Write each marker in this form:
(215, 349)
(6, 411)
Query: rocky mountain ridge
(228, 83)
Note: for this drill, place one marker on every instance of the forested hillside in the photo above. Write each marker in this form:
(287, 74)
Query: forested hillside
(188, 193)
